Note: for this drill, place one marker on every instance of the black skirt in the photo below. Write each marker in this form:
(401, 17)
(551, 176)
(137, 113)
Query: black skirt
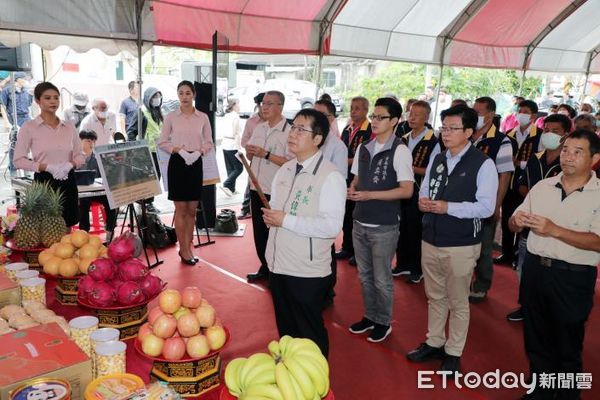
(185, 181)
(68, 187)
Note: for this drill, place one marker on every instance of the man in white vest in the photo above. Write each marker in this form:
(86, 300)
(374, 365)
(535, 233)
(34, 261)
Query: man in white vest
(307, 212)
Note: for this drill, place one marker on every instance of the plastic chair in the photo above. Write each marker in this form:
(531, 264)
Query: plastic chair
(98, 218)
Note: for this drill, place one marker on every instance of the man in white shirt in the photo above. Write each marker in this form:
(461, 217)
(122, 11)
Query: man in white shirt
(307, 200)
(101, 121)
(267, 151)
(383, 174)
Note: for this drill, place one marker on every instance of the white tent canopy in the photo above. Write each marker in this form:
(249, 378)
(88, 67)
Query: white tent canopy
(544, 35)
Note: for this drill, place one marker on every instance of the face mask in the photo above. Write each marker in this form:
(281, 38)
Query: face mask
(551, 141)
(80, 108)
(598, 123)
(523, 119)
(564, 112)
(480, 122)
(155, 102)
(101, 114)
(583, 112)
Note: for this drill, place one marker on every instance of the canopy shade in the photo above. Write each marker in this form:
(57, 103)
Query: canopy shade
(544, 35)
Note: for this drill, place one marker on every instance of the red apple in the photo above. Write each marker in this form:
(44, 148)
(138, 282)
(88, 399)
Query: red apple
(169, 301)
(216, 337)
(206, 316)
(165, 326)
(197, 346)
(173, 349)
(154, 314)
(144, 330)
(188, 325)
(152, 345)
(191, 297)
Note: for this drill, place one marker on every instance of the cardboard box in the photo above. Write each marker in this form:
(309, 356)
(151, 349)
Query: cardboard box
(10, 292)
(42, 351)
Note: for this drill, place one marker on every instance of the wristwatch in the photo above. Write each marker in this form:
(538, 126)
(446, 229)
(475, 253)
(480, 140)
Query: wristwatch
(267, 155)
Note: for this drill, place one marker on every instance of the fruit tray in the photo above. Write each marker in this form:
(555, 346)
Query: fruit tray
(225, 395)
(30, 256)
(137, 344)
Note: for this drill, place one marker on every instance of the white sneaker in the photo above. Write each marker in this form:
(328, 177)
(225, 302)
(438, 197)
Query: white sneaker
(226, 191)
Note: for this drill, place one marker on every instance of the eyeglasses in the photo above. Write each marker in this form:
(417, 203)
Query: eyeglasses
(379, 117)
(299, 129)
(451, 129)
(270, 104)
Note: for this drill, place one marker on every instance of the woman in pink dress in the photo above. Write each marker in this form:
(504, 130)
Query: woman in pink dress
(186, 134)
(55, 150)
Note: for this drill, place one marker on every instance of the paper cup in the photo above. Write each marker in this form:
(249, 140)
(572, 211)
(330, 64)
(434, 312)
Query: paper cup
(33, 289)
(12, 268)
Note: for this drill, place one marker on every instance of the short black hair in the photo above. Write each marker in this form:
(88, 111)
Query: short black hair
(561, 119)
(391, 105)
(188, 84)
(319, 123)
(529, 104)
(519, 98)
(328, 104)
(591, 137)
(89, 134)
(259, 98)
(467, 114)
(42, 87)
(459, 102)
(325, 96)
(571, 110)
(131, 85)
(490, 103)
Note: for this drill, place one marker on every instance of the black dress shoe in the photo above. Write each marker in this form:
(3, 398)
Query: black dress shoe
(450, 363)
(424, 353)
(352, 261)
(342, 254)
(244, 215)
(257, 276)
(187, 261)
(503, 259)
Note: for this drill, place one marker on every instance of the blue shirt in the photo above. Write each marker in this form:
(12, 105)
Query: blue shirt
(129, 109)
(487, 187)
(24, 101)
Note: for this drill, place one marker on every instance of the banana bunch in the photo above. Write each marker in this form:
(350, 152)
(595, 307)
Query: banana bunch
(295, 369)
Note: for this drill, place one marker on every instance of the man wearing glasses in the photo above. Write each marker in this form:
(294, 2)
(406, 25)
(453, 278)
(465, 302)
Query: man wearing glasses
(357, 132)
(267, 151)
(458, 191)
(307, 212)
(383, 175)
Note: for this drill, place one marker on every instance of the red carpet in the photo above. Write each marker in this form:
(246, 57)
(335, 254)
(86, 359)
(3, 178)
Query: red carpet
(359, 369)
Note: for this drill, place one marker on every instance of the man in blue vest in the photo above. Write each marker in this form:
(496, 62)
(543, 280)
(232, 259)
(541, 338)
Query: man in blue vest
(458, 192)
(383, 175)
(498, 147)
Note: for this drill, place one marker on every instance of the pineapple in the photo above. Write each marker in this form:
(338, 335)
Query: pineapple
(52, 226)
(27, 231)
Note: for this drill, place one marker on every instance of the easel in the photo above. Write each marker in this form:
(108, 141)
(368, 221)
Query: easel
(134, 222)
(199, 242)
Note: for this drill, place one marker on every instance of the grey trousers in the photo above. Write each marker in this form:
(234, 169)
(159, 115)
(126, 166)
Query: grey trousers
(374, 248)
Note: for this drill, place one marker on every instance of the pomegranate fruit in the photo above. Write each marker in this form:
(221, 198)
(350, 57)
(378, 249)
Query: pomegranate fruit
(151, 285)
(132, 270)
(129, 293)
(85, 286)
(121, 248)
(101, 295)
(102, 269)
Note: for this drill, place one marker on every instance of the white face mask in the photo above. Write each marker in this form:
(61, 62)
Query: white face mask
(156, 102)
(523, 119)
(551, 140)
(102, 114)
(480, 122)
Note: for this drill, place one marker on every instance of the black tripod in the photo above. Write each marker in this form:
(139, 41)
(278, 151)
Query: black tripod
(140, 224)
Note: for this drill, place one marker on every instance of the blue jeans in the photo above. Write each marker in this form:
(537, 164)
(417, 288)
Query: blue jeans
(374, 248)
